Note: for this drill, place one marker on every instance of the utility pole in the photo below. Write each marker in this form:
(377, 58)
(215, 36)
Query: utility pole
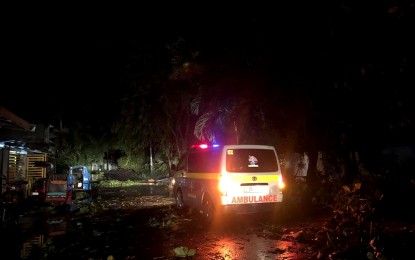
(151, 159)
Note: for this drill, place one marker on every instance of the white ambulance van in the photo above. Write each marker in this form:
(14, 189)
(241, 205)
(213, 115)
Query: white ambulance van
(214, 179)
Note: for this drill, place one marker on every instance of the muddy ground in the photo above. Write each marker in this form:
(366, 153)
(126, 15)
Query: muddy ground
(141, 222)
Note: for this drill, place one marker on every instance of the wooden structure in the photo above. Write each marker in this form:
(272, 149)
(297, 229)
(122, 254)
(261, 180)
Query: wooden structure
(22, 147)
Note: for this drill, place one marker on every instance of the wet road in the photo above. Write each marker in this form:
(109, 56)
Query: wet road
(141, 222)
(246, 237)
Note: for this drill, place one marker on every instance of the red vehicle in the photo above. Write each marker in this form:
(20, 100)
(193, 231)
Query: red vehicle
(58, 191)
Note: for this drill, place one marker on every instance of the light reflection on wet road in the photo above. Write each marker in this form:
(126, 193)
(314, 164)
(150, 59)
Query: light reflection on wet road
(242, 237)
(241, 247)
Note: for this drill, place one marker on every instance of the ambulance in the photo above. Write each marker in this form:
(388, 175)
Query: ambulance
(216, 180)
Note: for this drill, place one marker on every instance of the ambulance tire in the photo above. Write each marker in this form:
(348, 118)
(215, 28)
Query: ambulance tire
(208, 209)
(179, 201)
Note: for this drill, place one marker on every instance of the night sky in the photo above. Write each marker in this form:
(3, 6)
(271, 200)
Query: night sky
(56, 58)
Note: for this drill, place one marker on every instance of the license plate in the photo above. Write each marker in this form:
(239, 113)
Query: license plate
(35, 193)
(256, 189)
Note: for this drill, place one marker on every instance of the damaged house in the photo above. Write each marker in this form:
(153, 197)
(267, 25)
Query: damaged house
(23, 150)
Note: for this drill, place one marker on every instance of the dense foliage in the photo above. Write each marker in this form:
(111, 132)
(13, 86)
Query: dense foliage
(333, 93)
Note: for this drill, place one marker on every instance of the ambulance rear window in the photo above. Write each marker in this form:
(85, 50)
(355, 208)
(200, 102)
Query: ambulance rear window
(251, 160)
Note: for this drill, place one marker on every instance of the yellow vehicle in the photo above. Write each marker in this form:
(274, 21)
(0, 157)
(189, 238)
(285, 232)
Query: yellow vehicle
(217, 179)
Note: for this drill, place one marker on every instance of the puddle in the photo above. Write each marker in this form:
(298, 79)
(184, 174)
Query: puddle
(35, 242)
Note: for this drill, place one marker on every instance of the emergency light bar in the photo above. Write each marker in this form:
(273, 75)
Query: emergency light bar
(204, 146)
